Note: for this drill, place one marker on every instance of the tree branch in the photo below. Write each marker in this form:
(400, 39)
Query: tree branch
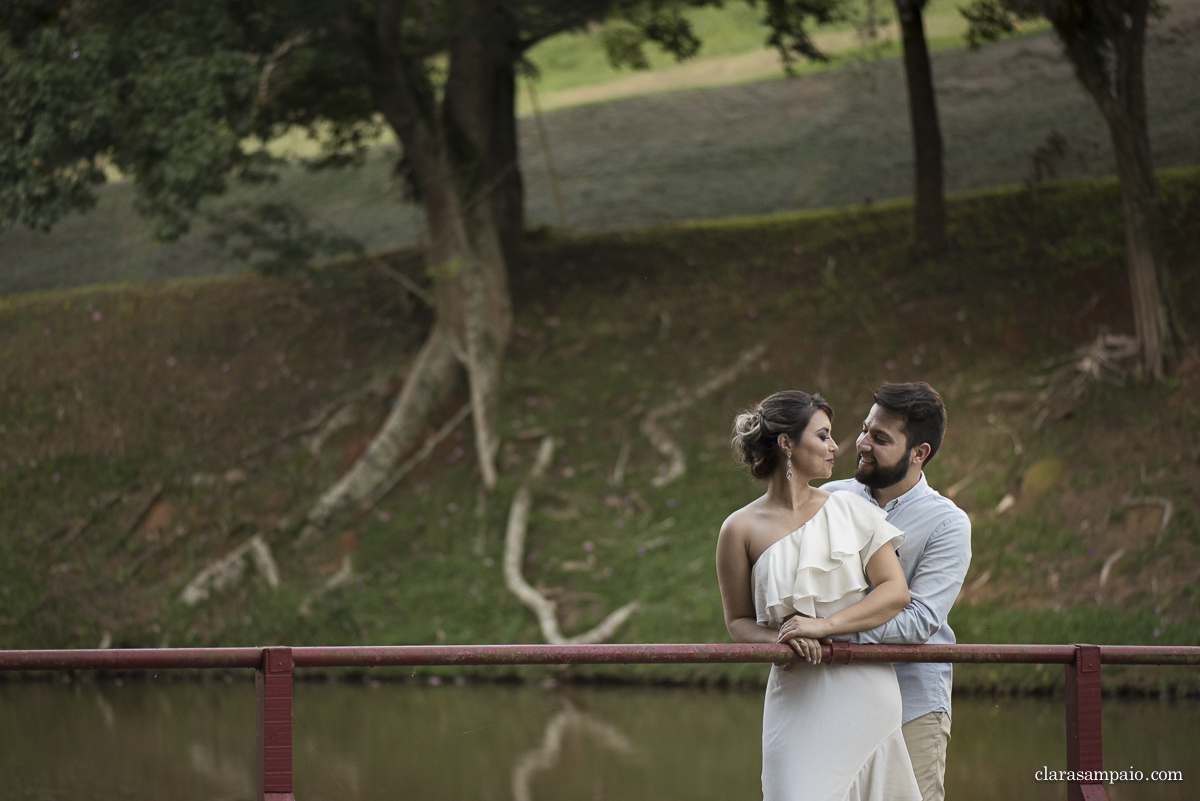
(273, 60)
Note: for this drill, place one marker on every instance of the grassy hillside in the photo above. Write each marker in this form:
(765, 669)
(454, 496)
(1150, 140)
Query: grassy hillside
(148, 429)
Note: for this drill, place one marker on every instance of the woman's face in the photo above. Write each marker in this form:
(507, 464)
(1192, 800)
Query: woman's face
(812, 456)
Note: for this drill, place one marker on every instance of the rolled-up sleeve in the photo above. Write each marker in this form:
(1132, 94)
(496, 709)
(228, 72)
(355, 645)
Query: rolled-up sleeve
(933, 586)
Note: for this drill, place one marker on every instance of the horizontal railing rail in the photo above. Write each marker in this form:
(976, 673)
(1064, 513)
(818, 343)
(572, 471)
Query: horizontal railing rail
(627, 654)
(274, 667)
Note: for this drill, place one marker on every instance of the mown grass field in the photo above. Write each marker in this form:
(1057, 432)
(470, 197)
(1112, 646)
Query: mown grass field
(148, 429)
(573, 68)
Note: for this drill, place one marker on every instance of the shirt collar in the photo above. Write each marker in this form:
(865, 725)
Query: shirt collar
(919, 490)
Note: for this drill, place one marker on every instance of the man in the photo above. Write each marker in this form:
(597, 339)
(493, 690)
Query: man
(901, 434)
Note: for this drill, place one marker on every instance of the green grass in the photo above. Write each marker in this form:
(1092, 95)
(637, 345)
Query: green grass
(576, 59)
(191, 373)
(1096, 625)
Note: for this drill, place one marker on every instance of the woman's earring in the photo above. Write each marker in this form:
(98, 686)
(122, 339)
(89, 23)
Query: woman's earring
(789, 472)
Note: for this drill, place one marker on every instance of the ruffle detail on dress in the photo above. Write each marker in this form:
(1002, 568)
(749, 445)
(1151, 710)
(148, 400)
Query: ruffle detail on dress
(887, 775)
(822, 561)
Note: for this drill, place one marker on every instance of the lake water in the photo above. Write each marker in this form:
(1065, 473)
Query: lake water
(144, 740)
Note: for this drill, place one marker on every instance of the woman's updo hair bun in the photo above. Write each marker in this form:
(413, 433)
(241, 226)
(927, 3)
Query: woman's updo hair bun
(756, 431)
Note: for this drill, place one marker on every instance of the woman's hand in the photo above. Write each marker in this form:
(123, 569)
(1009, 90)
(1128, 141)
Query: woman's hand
(802, 635)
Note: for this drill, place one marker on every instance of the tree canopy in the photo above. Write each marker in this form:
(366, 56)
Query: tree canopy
(179, 95)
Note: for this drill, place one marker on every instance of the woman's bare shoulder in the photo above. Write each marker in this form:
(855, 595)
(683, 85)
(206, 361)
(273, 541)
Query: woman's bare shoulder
(741, 522)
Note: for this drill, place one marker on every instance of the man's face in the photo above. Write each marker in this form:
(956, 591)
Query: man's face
(883, 457)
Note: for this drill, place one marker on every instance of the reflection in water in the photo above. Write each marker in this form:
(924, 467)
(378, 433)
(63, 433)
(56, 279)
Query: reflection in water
(342, 771)
(106, 711)
(146, 741)
(546, 756)
(219, 770)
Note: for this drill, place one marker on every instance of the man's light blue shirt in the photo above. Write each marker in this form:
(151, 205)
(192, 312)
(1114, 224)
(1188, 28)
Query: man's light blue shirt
(935, 555)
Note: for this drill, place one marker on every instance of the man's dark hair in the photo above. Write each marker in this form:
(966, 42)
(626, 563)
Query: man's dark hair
(920, 409)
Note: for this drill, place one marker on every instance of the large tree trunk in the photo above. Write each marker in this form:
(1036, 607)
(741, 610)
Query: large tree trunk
(475, 299)
(448, 145)
(1139, 202)
(930, 207)
(1120, 93)
(504, 166)
(471, 333)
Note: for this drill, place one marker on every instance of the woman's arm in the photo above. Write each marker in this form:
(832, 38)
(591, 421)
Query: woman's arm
(884, 602)
(737, 596)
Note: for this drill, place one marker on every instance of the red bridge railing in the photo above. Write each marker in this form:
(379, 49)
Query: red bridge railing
(274, 667)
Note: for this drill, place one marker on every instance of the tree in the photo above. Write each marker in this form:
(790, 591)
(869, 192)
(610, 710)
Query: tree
(787, 19)
(1105, 41)
(169, 92)
(929, 209)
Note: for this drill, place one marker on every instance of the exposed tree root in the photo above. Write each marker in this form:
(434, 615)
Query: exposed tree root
(322, 421)
(676, 465)
(418, 457)
(1111, 358)
(75, 528)
(343, 417)
(340, 578)
(1106, 569)
(514, 554)
(155, 492)
(618, 473)
(432, 378)
(482, 357)
(162, 547)
(1168, 509)
(228, 570)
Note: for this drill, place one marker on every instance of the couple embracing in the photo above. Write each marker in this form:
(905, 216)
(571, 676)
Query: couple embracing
(878, 558)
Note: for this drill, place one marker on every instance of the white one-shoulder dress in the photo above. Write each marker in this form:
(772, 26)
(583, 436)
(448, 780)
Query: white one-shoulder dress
(830, 732)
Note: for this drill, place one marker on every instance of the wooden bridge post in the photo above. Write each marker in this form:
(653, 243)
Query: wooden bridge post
(1084, 752)
(273, 683)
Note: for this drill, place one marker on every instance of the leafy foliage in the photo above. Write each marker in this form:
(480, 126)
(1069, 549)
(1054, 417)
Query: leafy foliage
(158, 93)
(636, 24)
(172, 94)
(1085, 26)
(56, 116)
(787, 18)
(278, 238)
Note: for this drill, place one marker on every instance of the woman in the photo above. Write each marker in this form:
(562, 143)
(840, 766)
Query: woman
(800, 564)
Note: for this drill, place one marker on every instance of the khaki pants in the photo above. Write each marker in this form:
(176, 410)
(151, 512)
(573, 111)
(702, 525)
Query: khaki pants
(926, 738)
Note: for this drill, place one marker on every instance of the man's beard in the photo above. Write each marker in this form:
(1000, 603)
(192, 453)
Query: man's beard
(882, 477)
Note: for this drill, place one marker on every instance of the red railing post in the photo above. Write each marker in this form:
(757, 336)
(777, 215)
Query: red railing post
(1084, 752)
(273, 683)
